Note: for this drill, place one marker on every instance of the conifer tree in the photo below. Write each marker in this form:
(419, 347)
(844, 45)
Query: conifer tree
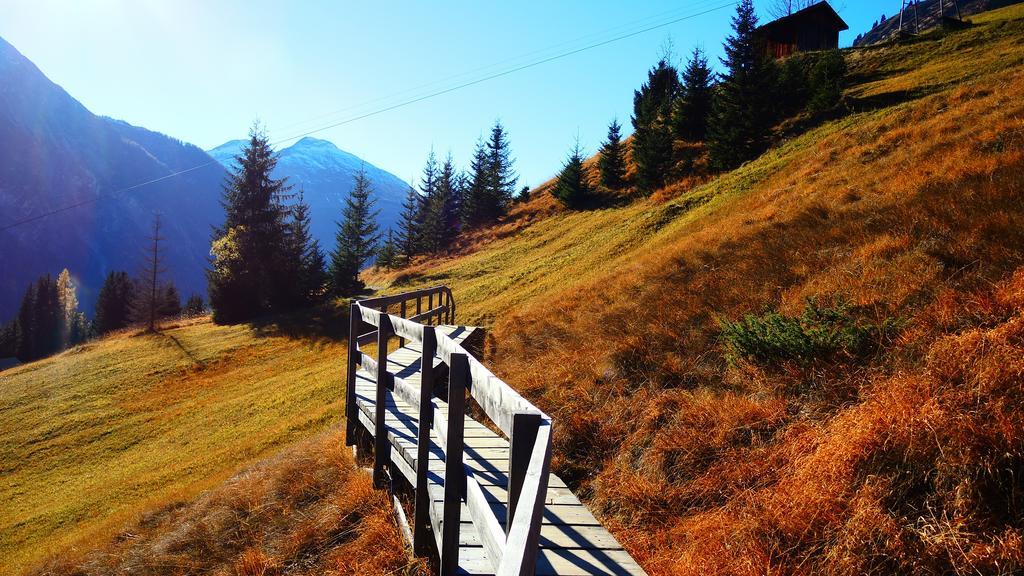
(24, 326)
(652, 136)
(475, 197)
(408, 237)
(573, 188)
(73, 328)
(356, 238)
(427, 222)
(39, 324)
(308, 257)
(387, 253)
(113, 305)
(170, 301)
(194, 306)
(502, 176)
(146, 309)
(251, 256)
(612, 159)
(446, 205)
(743, 113)
(693, 108)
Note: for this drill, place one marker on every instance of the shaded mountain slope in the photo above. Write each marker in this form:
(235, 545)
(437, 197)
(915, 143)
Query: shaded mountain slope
(904, 220)
(56, 154)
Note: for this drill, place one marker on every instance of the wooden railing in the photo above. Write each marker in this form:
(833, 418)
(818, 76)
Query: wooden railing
(512, 548)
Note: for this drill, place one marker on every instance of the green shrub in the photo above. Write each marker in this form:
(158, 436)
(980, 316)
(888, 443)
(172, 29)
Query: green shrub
(818, 334)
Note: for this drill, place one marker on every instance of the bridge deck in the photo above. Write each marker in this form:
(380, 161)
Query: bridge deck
(572, 541)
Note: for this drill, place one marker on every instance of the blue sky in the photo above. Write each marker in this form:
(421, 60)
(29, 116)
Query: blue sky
(202, 71)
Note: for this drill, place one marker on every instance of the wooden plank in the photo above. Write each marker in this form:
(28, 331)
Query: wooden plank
(430, 313)
(449, 551)
(423, 444)
(381, 446)
(524, 434)
(486, 523)
(350, 379)
(521, 547)
(561, 562)
(388, 300)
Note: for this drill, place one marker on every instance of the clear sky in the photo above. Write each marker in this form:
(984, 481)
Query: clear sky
(204, 70)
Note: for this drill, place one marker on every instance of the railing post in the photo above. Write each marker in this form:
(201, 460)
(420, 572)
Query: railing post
(430, 305)
(524, 435)
(401, 341)
(454, 474)
(421, 536)
(351, 417)
(381, 444)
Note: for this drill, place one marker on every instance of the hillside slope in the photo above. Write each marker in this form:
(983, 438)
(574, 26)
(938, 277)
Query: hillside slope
(904, 219)
(93, 437)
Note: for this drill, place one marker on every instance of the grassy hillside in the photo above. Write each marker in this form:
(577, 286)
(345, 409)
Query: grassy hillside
(882, 434)
(95, 436)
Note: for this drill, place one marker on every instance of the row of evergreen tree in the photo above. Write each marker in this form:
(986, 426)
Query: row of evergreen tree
(49, 320)
(264, 258)
(678, 118)
(448, 201)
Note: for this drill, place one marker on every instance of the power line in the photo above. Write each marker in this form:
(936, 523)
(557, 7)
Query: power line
(702, 4)
(101, 196)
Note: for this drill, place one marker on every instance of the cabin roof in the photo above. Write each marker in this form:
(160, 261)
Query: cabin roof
(796, 18)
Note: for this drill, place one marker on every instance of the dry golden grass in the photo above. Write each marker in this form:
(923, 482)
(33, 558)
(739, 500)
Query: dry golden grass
(307, 510)
(911, 208)
(93, 437)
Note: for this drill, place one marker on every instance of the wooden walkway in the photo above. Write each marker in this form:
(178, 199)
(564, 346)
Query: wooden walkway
(569, 540)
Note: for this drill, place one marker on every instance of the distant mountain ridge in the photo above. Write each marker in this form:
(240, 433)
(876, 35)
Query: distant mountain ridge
(928, 18)
(325, 174)
(56, 153)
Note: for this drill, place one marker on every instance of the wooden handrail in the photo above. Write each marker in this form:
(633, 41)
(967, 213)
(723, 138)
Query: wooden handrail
(512, 548)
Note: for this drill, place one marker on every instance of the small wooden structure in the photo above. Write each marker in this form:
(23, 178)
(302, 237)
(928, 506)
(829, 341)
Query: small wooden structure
(484, 500)
(816, 27)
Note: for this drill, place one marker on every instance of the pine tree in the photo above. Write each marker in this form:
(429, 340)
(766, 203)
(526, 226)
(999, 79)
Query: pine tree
(387, 253)
(24, 326)
(39, 324)
(652, 136)
(693, 109)
(251, 257)
(73, 329)
(743, 114)
(612, 159)
(573, 188)
(428, 217)
(356, 238)
(408, 237)
(170, 301)
(113, 305)
(502, 176)
(826, 82)
(446, 204)
(148, 298)
(475, 196)
(194, 306)
(308, 257)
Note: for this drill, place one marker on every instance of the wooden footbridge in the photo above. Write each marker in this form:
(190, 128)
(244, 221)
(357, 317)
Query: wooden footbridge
(483, 502)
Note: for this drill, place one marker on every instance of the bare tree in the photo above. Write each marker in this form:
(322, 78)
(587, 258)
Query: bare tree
(148, 296)
(783, 8)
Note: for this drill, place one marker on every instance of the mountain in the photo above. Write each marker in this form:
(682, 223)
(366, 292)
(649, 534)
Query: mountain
(325, 174)
(927, 18)
(57, 153)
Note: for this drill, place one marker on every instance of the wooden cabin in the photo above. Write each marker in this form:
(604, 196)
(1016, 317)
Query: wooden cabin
(816, 27)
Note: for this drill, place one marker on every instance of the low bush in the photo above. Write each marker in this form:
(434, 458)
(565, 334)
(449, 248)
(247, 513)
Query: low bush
(821, 333)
